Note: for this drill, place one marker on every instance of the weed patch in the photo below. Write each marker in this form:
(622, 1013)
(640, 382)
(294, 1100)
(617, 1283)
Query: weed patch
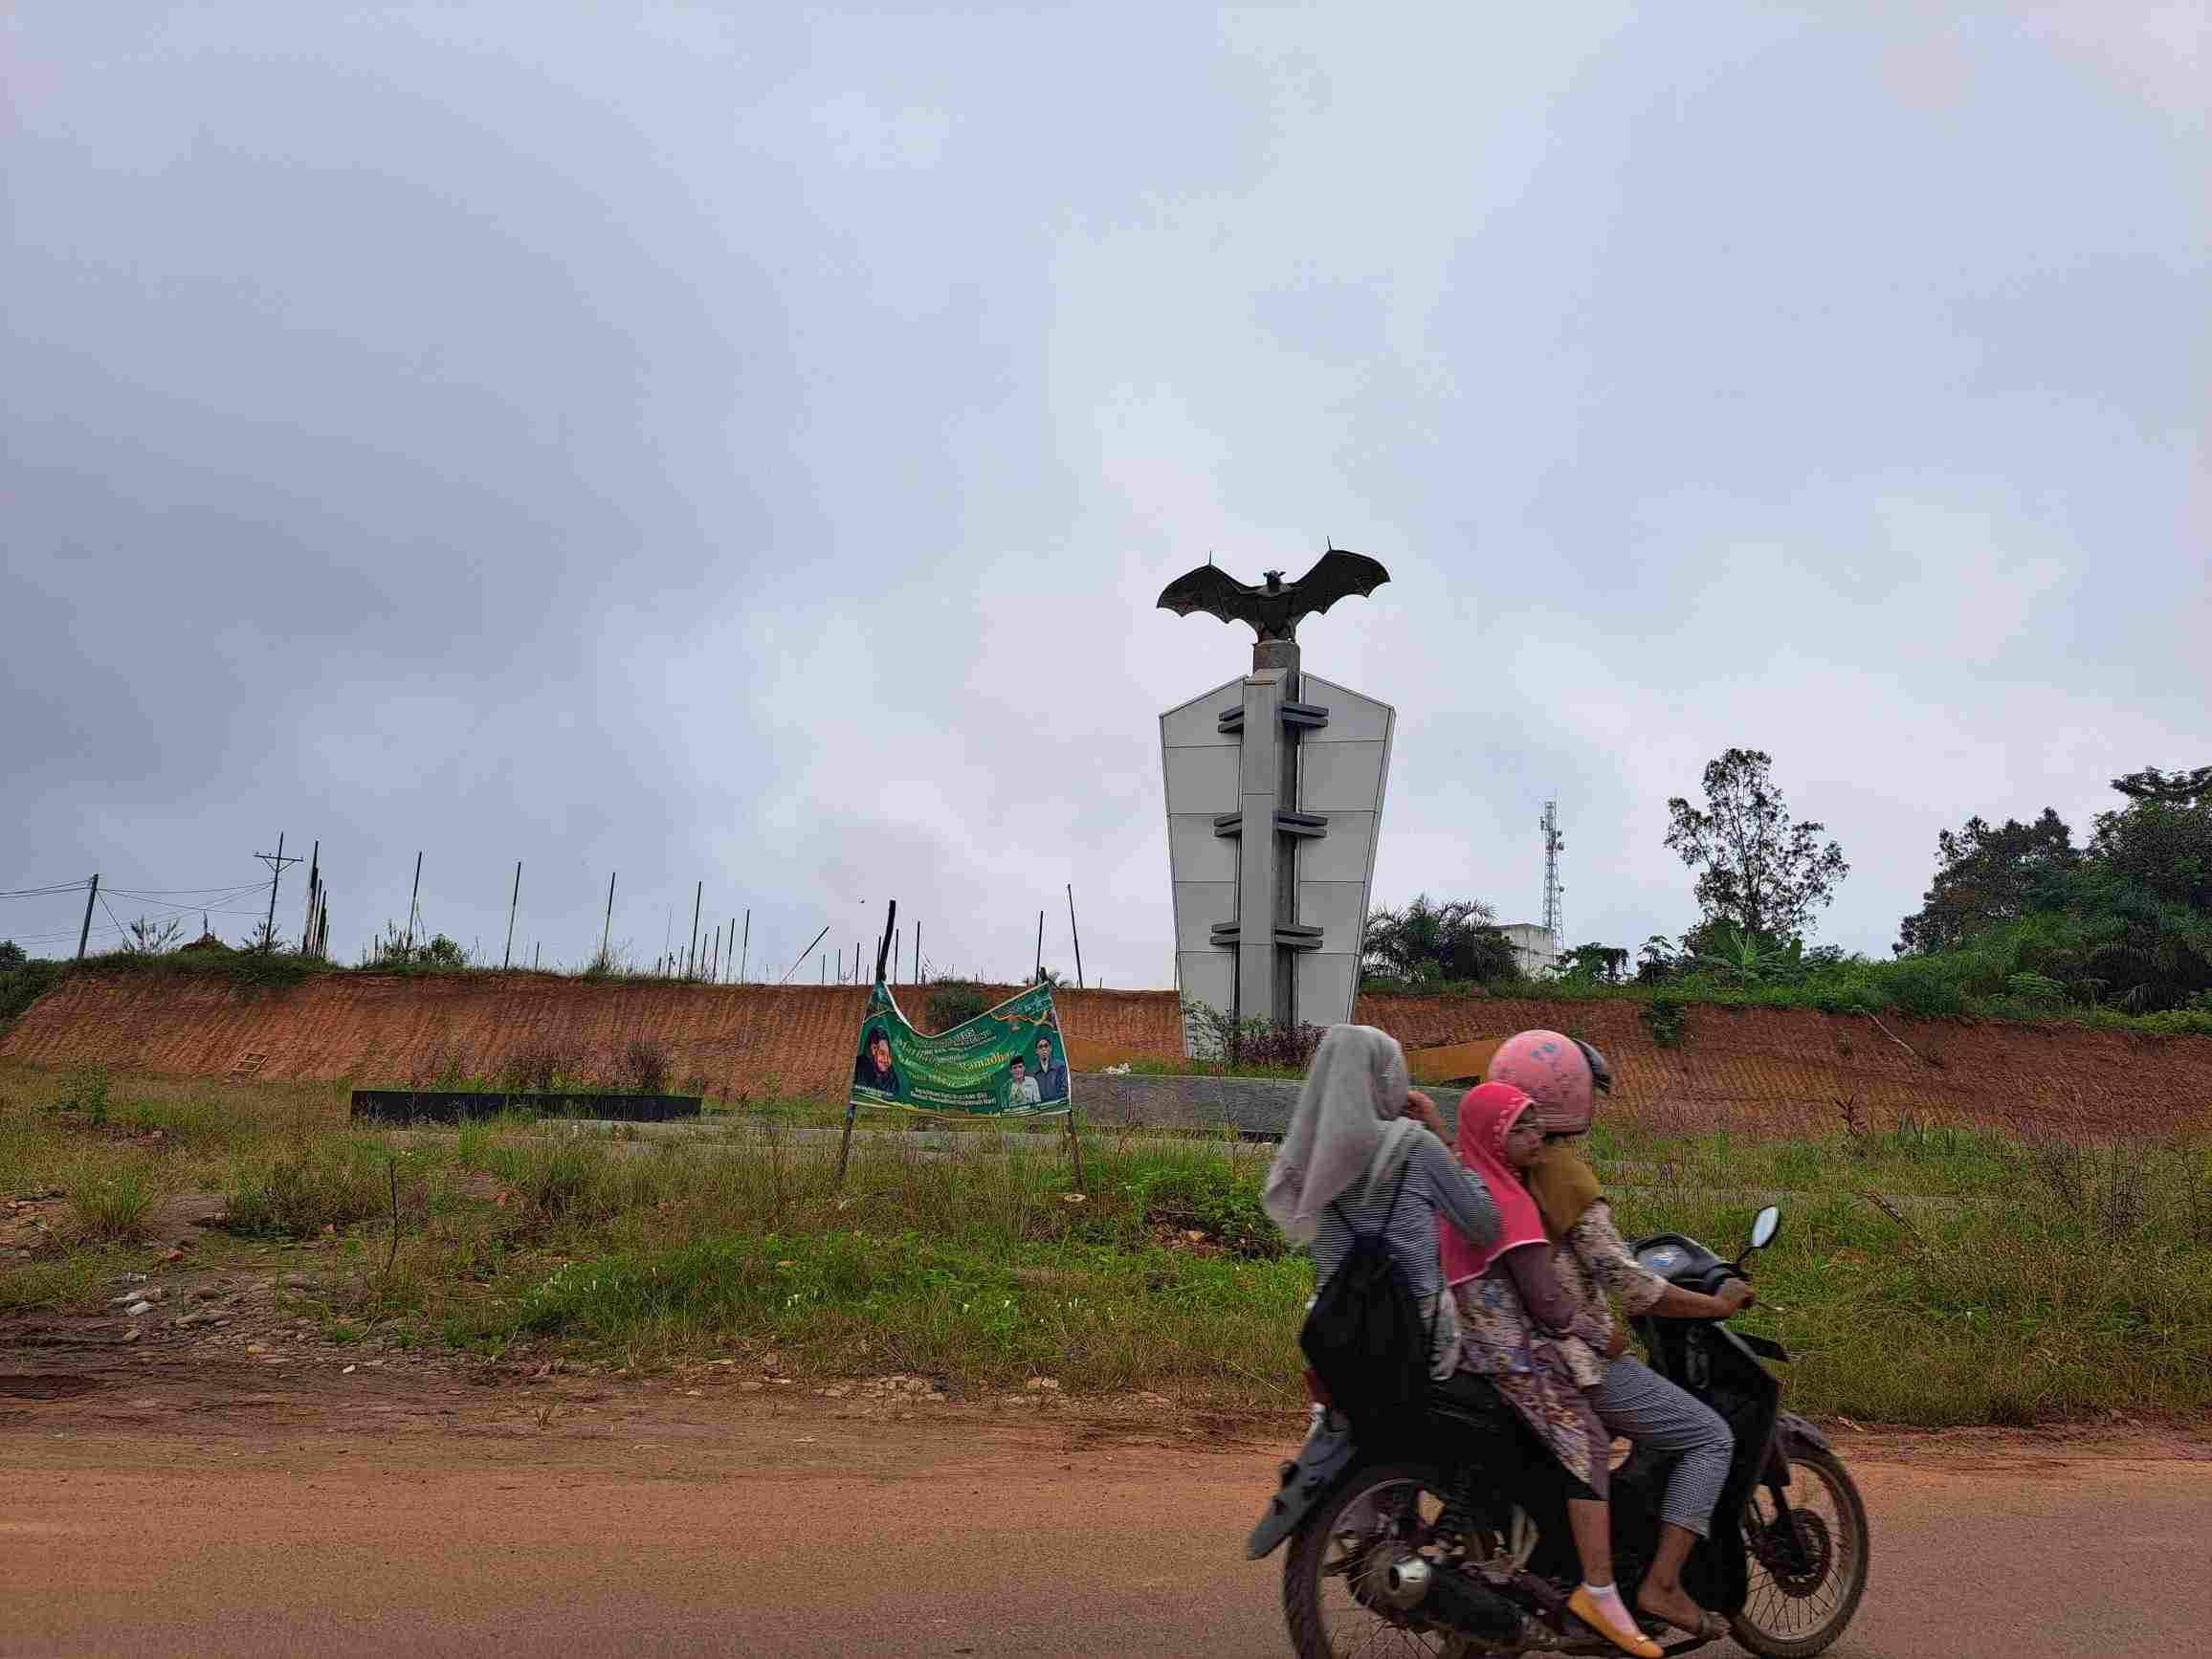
(300, 1193)
(115, 1209)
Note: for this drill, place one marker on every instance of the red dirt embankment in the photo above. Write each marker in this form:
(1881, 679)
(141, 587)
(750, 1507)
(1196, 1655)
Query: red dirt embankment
(1757, 1069)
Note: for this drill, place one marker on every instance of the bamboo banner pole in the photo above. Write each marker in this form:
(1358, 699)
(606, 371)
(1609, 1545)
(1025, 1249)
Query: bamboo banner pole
(844, 1144)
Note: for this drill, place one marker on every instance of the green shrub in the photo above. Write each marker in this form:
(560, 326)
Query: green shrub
(1927, 986)
(1667, 1019)
(555, 1178)
(297, 1194)
(644, 1066)
(87, 1092)
(540, 1068)
(22, 984)
(114, 1209)
(954, 1003)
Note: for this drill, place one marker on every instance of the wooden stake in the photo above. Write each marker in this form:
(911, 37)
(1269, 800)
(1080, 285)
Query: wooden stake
(1073, 935)
(844, 1146)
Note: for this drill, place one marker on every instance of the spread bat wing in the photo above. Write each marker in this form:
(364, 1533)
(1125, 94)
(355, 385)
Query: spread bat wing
(1335, 574)
(1213, 590)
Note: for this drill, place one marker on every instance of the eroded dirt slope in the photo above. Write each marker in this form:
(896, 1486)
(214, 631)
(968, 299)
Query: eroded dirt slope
(1755, 1070)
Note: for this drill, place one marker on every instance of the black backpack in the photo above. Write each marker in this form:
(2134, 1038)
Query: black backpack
(1365, 1337)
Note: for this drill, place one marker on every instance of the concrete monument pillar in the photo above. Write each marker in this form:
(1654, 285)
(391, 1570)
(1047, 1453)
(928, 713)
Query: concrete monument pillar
(1274, 793)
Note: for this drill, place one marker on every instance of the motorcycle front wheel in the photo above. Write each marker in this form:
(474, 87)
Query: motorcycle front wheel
(1800, 1599)
(1335, 1596)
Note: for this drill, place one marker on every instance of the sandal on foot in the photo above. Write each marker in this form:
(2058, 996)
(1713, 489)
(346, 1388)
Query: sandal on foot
(1711, 1626)
(1632, 1640)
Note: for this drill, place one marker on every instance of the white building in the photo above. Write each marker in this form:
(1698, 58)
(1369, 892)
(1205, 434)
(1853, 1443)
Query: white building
(1534, 952)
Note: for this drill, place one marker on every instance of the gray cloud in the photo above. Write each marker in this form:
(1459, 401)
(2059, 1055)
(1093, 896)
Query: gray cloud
(747, 452)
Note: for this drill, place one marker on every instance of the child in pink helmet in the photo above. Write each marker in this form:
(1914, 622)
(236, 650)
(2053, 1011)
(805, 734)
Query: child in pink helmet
(1564, 1077)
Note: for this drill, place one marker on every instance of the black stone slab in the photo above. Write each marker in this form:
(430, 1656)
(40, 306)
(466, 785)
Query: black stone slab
(456, 1106)
(1253, 1106)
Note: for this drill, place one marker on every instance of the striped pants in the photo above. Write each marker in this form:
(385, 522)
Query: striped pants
(1639, 1404)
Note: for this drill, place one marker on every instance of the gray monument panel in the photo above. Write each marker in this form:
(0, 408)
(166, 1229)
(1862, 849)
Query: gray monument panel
(1198, 906)
(1196, 851)
(1197, 723)
(1326, 980)
(1206, 976)
(1334, 907)
(1344, 853)
(1201, 780)
(1340, 777)
(1352, 717)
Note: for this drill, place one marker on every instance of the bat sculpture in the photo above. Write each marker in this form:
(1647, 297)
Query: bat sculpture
(1272, 605)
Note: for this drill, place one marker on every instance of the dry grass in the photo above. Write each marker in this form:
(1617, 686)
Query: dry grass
(1923, 1275)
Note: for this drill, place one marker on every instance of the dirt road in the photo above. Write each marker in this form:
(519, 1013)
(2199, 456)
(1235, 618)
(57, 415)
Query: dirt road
(421, 1522)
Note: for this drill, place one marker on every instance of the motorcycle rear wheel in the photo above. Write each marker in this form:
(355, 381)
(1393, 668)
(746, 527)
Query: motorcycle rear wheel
(1789, 1614)
(1378, 1506)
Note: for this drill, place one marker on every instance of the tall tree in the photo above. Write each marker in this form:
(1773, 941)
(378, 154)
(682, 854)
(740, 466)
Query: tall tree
(2190, 789)
(1987, 875)
(1760, 871)
(1594, 963)
(1457, 940)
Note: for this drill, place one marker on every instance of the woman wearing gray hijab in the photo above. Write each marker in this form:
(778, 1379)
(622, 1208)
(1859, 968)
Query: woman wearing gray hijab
(1359, 1122)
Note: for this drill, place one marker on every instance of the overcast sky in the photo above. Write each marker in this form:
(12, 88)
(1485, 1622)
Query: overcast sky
(712, 443)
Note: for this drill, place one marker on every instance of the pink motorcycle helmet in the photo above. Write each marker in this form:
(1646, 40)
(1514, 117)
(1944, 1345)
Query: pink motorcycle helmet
(1562, 1076)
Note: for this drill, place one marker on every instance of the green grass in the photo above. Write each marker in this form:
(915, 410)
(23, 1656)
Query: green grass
(1953, 986)
(114, 1208)
(1146, 1067)
(1924, 1276)
(1992, 980)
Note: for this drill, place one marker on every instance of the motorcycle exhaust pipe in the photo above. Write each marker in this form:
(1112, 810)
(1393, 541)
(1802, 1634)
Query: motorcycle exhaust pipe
(1405, 1582)
(1474, 1609)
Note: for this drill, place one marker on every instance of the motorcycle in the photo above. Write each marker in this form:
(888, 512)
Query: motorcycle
(1445, 1535)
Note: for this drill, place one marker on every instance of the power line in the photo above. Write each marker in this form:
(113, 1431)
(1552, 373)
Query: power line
(42, 892)
(197, 896)
(157, 892)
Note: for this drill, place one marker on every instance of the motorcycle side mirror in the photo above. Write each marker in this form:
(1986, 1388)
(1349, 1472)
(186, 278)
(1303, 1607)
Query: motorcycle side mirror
(1764, 1226)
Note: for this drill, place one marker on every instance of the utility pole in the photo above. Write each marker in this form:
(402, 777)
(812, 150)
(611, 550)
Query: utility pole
(1040, 947)
(917, 979)
(744, 948)
(1073, 935)
(277, 861)
(85, 933)
(513, 899)
(692, 957)
(607, 932)
(407, 949)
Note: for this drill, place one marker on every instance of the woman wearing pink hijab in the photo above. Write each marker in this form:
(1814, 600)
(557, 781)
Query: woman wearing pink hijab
(1514, 1319)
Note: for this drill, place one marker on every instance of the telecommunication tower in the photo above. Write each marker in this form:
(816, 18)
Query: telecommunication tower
(1554, 923)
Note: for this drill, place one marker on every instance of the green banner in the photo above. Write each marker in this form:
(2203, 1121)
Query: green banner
(1007, 1061)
